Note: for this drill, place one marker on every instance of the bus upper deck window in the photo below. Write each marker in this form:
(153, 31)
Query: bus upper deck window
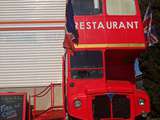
(87, 7)
(121, 7)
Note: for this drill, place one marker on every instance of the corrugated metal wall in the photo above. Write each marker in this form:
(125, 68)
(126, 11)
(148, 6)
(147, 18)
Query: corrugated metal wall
(31, 38)
(31, 9)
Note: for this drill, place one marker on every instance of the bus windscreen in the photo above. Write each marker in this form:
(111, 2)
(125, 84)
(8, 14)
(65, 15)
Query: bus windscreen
(86, 64)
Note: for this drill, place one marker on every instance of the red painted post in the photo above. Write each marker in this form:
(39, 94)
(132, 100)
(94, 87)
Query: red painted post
(111, 108)
(29, 108)
(34, 100)
(63, 86)
(52, 95)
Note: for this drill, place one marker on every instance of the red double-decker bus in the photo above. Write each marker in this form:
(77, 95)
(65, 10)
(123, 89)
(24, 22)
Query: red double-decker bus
(99, 79)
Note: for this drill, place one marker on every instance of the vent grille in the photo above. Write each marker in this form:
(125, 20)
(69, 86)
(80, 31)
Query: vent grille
(121, 106)
(111, 106)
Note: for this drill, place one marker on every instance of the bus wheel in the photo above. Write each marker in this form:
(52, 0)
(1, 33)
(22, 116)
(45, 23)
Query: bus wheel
(72, 118)
(143, 118)
(68, 117)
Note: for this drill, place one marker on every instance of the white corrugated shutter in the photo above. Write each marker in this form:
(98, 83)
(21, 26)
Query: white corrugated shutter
(30, 47)
(31, 9)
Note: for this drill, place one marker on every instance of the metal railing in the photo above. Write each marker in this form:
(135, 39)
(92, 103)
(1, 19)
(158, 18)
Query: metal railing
(41, 94)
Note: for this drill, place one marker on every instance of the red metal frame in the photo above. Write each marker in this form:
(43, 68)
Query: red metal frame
(24, 95)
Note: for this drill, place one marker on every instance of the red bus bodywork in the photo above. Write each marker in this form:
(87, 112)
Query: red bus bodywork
(120, 39)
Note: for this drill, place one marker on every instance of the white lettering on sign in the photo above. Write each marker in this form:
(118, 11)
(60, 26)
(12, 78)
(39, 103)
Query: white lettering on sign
(107, 25)
(88, 25)
(82, 25)
(100, 26)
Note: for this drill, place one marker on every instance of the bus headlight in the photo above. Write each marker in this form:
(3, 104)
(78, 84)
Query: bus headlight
(141, 102)
(77, 103)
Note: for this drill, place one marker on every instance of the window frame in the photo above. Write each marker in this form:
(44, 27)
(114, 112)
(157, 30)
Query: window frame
(99, 14)
(98, 68)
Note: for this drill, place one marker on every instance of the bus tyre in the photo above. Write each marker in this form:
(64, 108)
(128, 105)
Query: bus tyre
(68, 117)
(143, 118)
(72, 118)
